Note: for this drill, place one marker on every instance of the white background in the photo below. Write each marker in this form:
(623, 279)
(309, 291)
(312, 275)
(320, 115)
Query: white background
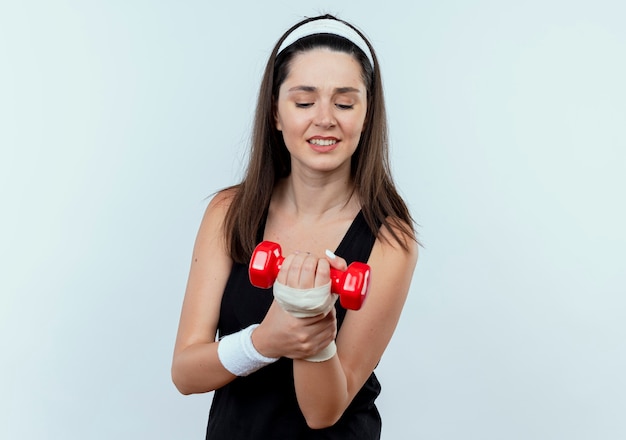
(119, 118)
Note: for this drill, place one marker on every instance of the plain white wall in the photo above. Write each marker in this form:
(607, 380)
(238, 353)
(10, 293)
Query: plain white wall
(118, 118)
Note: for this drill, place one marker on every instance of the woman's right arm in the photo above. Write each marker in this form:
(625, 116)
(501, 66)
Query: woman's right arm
(196, 367)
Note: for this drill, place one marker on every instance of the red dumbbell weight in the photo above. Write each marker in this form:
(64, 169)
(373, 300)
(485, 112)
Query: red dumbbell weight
(351, 286)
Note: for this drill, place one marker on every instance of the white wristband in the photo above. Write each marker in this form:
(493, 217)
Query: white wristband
(238, 355)
(303, 303)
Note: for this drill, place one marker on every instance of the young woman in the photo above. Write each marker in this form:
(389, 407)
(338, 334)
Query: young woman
(319, 184)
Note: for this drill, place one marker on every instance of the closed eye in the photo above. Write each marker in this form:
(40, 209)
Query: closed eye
(303, 104)
(345, 106)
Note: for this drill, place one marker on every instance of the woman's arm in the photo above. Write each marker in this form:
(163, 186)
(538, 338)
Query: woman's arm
(325, 389)
(196, 367)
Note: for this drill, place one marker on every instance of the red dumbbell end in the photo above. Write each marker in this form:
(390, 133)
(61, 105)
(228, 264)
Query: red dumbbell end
(354, 286)
(265, 264)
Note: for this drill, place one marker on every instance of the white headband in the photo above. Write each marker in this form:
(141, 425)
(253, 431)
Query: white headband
(327, 26)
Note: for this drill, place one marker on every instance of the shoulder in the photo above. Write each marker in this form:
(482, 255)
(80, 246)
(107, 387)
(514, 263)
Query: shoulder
(212, 225)
(222, 199)
(219, 205)
(398, 235)
(396, 247)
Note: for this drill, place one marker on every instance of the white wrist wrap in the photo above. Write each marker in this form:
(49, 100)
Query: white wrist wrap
(238, 355)
(325, 354)
(304, 303)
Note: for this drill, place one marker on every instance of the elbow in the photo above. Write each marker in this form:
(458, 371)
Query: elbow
(180, 380)
(319, 424)
(183, 390)
(192, 382)
(321, 421)
(186, 387)
(180, 384)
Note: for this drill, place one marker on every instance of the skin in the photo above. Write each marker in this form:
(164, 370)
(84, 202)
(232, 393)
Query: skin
(323, 97)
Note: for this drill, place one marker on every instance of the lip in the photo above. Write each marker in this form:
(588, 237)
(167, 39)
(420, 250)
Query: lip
(323, 148)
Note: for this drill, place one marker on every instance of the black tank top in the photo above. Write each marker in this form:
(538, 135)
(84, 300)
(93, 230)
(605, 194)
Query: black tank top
(263, 405)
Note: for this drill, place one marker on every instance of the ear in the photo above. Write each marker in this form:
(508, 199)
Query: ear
(277, 123)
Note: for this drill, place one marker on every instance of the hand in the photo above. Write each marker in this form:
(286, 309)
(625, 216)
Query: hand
(302, 270)
(299, 338)
(283, 335)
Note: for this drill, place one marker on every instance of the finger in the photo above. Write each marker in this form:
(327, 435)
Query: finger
(293, 272)
(322, 274)
(308, 272)
(301, 271)
(285, 268)
(335, 261)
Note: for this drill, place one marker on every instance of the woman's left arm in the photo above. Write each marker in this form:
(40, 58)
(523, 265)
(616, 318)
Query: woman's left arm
(325, 389)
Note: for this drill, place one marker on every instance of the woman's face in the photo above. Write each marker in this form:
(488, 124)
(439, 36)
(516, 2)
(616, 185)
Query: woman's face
(321, 110)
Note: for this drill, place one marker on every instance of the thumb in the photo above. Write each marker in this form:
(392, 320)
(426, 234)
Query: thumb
(335, 261)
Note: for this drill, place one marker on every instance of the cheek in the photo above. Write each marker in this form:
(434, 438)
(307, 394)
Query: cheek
(356, 126)
(284, 119)
(293, 124)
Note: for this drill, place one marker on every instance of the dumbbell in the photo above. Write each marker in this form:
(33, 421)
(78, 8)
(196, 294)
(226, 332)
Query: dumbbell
(351, 285)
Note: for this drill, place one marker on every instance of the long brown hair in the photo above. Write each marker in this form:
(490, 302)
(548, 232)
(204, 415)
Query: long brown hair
(270, 160)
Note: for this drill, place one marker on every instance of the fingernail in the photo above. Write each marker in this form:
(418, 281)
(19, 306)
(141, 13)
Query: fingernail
(330, 254)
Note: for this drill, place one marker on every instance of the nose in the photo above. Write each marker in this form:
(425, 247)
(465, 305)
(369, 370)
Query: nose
(324, 116)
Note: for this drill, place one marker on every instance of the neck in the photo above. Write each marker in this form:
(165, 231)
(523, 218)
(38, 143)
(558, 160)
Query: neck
(316, 196)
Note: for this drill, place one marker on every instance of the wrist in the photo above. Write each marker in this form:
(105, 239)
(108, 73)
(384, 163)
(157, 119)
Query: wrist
(238, 355)
(304, 303)
(325, 354)
(260, 342)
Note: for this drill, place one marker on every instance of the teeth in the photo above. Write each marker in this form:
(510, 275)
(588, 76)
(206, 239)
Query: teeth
(323, 142)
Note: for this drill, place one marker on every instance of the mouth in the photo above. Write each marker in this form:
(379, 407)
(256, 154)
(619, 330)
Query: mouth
(323, 142)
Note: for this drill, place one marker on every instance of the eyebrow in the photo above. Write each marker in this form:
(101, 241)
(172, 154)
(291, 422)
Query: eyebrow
(311, 89)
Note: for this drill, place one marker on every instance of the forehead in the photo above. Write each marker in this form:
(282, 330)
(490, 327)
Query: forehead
(324, 67)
